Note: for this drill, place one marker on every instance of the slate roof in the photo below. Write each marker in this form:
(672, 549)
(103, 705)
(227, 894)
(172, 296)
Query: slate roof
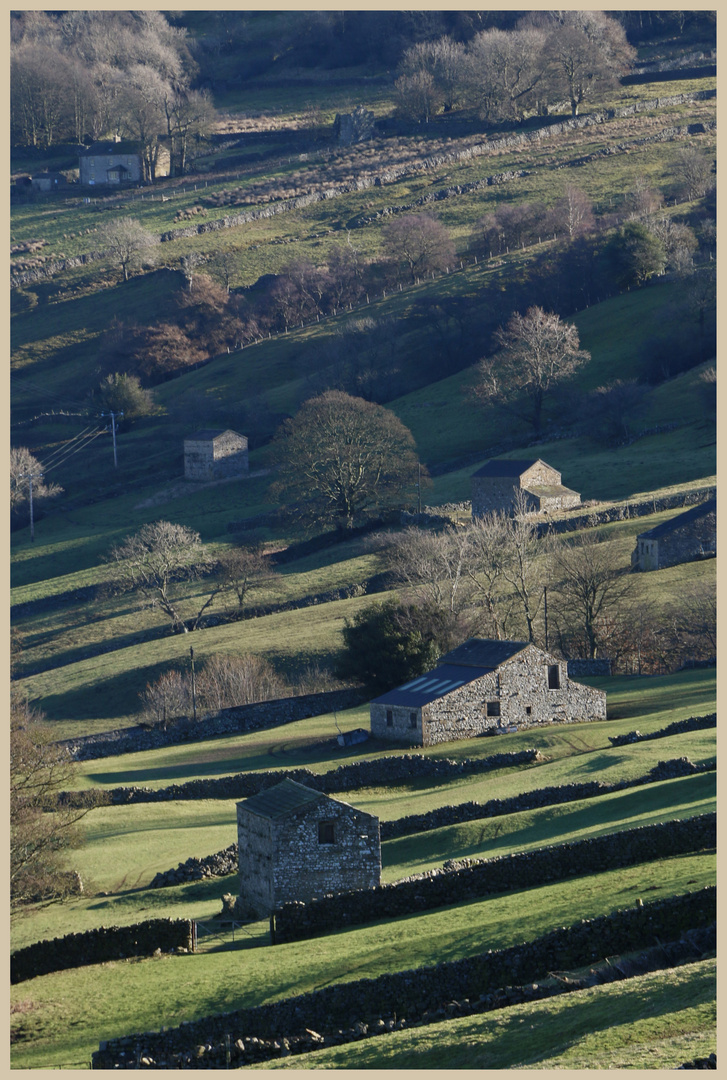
(550, 491)
(209, 434)
(281, 799)
(108, 148)
(439, 682)
(511, 467)
(485, 653)
(693, 514)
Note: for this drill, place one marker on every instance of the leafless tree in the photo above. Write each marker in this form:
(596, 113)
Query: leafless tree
(128, 243)
(156, 559)
(572, 214)
(504, 70)
(342, 457)
(22, 464)
(693, 172)
(537, 352)
(592, 583)
(226, 680)
(166, 700)
(246, 570)
(420, 242)
(418, 96)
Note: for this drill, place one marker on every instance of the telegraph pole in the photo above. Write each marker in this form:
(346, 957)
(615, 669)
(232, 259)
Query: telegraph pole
(194, 688)
(30, 477)
(113, 416)
(545, 604)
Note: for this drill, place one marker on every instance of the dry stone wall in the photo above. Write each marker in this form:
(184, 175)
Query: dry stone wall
(483, 877)
(100, 945)
(473, 984)
(679, 727)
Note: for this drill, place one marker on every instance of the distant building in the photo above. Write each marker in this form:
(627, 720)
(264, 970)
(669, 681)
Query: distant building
(215, 455)
(484, 686)
(110, 164)
(496, 485)
(48, 181)
(684, 538)
(295, 844)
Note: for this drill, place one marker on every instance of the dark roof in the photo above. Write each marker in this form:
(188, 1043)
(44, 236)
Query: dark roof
(693, 514)
(282, 799)
(210, 434)
(435, 684)
(550, 491)
(485, 653)
(101, 149)
(507, 467)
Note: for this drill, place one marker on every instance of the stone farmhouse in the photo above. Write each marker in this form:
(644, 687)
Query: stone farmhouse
(113, 163)
(215, 455)
(484, 686)
(684, 538)
(295, 844)
(496, 485)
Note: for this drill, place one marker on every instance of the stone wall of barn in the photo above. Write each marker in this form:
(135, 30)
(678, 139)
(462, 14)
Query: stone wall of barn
(256, 848)
(401, 723)
(693, 540)
(307, 864)
(217, 459)
(291, 860)
(528, 694)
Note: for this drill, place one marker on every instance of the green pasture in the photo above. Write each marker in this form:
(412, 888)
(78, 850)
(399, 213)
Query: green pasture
(656, 1021)
(63, 1016)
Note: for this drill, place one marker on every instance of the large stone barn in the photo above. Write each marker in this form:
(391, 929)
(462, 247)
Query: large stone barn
(295, 844)
(215, 455)
(496, 486)
(484, 686)
(684, 538)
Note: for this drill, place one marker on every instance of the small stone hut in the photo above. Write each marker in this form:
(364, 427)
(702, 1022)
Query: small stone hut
(296, 844)
(684, 538)
(215, 455)
(496, 485)
(484, 686)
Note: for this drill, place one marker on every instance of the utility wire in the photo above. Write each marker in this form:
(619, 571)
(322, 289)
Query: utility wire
(62, 449)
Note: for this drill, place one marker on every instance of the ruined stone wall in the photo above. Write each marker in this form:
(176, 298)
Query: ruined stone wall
(305, 868)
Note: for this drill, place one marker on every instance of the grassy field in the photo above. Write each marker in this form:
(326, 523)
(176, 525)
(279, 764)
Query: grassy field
(85, 661)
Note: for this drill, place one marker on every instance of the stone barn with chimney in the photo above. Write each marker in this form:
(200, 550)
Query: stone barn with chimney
(684, 538)
(484, 686)
(295, 843)
(215, 455)
(495, 487)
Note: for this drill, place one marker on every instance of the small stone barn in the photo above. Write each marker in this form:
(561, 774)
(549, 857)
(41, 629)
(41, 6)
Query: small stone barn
(295, 844)
(484, 685)
(685, 538)
(215, 455)
(495, 487)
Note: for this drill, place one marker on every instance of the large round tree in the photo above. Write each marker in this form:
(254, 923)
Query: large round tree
(341, 458)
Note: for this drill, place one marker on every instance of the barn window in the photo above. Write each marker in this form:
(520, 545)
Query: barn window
(553, 677)
(326, 832)
(389, 718)
(412, 719)
(493, 708)
(528, 710)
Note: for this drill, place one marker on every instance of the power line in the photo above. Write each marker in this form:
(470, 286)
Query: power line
(82, 446)
(61, 450)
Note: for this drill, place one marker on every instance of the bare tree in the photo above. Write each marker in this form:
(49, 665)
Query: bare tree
(246, 570)
(538, 351)
(22, 465)
(504, 70)
(166, 700)
(418, 96)
(342, 457)
(41, 828)
(525, 567)
(154, 560)
(128, 243)
(433, 565)
(227, 680)
(694, 172)
(572, 214)
(592, 583)
(584, 53)
(488, 543)
(420, 242)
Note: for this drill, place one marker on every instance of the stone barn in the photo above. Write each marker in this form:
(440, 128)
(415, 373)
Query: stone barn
(496, 485)
(484, 686)
(215, 455)
(685, 538)
(296, 844)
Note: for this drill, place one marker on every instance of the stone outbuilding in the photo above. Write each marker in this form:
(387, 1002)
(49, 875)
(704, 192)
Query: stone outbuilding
(295, 843)
(684, 538)
(495, 487)
(215, 455)
(484, 686)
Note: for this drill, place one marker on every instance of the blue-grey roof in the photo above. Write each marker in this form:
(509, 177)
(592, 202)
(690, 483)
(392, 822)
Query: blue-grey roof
(487, 653)
(281, 799)
(210, 434)
(435, 684)
(507, 467)
(693, 514)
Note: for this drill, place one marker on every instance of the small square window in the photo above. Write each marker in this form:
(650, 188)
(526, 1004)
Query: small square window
(528, 710)
(326, 832)
(493, 708)
(389, 718)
